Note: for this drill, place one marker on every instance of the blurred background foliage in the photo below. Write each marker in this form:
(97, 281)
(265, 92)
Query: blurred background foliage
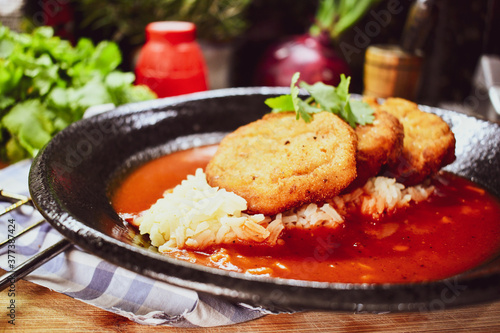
(463, 31)
(217, 20)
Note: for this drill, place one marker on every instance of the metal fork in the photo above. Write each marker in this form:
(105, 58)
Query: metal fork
(38, 259)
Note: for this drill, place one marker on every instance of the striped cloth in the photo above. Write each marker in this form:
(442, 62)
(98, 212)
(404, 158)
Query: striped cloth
(92, 280)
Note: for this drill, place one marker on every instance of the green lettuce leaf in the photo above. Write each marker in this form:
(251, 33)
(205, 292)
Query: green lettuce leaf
(46, 84)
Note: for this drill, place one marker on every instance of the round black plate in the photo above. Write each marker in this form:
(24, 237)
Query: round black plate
(71, 178)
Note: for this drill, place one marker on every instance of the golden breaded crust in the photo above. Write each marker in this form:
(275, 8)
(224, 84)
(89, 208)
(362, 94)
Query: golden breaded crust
(429, 144)
(379, 143)
(277, 163)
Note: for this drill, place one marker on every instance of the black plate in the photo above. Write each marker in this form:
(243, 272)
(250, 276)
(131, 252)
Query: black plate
(71, 178)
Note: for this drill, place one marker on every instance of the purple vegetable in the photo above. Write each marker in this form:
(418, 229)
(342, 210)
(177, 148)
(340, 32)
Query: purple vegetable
(313, 54)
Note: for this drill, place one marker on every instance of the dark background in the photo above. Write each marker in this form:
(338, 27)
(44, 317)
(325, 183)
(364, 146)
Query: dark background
(459, 33)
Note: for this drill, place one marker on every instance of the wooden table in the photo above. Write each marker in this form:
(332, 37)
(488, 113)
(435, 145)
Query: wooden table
(39, 309)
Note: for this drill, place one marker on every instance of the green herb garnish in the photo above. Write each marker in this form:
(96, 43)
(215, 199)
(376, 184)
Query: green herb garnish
(323, 98)
(46, 84)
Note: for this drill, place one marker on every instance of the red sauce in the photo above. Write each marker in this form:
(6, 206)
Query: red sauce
(145, 185)
(455, 230)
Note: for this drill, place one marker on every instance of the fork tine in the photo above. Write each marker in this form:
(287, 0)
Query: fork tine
(34, 225)
(13, 197)
(36, 260)
(15, 205)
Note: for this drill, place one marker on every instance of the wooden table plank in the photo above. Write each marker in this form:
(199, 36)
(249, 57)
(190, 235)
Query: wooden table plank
(39, 309)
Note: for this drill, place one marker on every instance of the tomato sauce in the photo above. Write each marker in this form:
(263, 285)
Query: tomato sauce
(456, 229)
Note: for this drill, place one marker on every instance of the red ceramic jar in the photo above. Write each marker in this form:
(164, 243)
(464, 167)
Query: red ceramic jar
(171, 62)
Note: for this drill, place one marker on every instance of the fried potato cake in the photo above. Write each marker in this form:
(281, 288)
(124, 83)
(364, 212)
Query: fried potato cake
(278, 162)
(379, 143)
(429, 144)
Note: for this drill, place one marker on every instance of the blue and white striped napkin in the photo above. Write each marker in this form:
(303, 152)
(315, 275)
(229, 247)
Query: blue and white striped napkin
(92, 280)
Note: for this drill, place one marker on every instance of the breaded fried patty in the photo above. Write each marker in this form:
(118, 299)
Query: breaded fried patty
(379, 143)
(278, 162)
(429, 144)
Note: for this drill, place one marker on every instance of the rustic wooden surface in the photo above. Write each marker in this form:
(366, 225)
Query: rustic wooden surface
(39, 309)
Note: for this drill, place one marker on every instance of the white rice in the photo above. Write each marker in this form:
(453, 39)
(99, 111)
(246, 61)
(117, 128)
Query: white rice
(195, 215)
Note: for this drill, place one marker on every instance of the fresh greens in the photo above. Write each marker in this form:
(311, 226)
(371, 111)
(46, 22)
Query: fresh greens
(124, 20)
(46, 84)
(323, 98)
(337, 16)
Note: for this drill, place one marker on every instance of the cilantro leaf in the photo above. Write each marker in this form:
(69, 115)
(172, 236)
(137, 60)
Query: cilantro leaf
(280, 104)
(343, 87)
(302, 111)
(362, 111)
(348, 115)
(292, 102)
(323, 98)
(298, 104)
